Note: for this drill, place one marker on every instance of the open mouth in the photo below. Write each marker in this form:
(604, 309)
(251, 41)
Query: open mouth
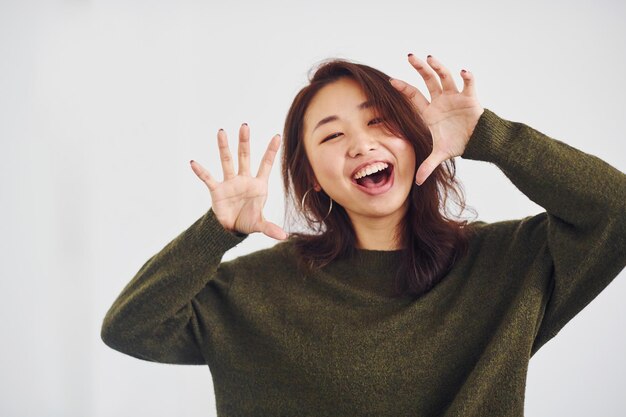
(377, 182)
(375, 179)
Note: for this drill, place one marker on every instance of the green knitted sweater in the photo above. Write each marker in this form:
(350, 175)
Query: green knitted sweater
(279, 342)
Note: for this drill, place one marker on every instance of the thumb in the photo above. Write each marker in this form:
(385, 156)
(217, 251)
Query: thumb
(427, 167)
(272, 230)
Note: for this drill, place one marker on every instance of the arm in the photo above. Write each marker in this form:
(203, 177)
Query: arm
(157, 315)
(162, 313)
(582, 234)
(584, 226)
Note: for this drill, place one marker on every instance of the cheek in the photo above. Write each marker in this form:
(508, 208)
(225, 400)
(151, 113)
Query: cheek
(325, 166)
(410, 155)
(327, 169)
(406, 152)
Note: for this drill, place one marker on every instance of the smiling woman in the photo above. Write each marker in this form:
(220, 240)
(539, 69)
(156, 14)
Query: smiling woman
(347, 125)
(390, 307)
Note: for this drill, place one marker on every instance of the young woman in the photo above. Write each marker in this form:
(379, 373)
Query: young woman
(389, 308)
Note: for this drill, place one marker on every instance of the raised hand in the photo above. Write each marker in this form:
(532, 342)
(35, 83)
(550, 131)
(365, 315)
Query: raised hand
(451, 116)
(238, 201)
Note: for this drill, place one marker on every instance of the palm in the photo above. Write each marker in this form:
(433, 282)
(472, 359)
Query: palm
(450, 116)
(238, 201)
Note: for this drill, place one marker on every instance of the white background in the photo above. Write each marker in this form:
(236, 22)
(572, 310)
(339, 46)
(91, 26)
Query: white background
(103, 103)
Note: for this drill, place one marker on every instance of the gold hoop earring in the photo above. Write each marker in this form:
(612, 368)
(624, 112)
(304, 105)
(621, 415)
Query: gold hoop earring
(329, 208)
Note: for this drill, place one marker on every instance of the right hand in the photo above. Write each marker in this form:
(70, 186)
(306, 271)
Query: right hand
(238, 201)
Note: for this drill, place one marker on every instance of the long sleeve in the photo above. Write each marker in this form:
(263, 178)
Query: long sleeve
(583, 229)
(157, 316)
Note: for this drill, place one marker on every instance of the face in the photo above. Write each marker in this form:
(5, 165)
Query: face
(340, 136)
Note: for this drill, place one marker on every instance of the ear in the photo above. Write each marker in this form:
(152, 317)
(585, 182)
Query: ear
(316, 185)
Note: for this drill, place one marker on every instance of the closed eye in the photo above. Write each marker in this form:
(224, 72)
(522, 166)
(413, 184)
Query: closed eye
(334, 135)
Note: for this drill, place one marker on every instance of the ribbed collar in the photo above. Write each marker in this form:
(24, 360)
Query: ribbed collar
(375, 260)
(371, 270)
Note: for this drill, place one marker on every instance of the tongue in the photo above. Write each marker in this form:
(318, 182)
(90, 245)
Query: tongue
(373, 180)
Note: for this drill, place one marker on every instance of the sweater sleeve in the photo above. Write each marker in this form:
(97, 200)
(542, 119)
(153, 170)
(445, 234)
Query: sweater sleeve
(584, 225)
(156, 318)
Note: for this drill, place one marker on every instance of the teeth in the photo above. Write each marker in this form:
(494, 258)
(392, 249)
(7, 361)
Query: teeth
(370, 169)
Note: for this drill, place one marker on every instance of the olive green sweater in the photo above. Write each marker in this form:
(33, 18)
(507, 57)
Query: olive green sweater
(279, 342)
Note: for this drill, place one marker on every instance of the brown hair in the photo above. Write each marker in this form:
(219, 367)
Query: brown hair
(430, 241)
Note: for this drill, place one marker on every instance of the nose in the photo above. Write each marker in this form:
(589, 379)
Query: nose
(361, 143)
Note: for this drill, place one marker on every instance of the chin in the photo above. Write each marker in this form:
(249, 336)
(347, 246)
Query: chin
(384, 208)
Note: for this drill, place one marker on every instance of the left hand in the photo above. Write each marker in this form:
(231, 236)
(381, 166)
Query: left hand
(451, 116)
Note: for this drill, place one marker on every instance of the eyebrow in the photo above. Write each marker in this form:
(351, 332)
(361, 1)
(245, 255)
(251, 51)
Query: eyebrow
(365, 105)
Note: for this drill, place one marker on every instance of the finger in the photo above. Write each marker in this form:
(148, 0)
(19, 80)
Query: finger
(428, 74)
(274, 231)
(268, 158)
(244, 150)
(225, 156)
(417, 98)
(428, 166)
(203, 174)
(469, 85)
(449, 86)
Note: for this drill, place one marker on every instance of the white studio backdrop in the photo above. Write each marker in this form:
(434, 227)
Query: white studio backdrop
(103, 104)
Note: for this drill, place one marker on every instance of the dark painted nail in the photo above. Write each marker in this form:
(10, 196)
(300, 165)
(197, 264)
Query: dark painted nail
(244, 124)
(429, 56)
(463, 71)
(221, 129)
(410, 55)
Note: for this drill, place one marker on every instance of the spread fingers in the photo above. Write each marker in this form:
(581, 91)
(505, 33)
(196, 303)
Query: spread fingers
(412, 93)
(244, 149)
(268, 158)
(444, 74)
(225, 156)
(203, 174)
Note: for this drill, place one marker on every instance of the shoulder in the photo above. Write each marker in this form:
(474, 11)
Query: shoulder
(502, 228)
(281, 254)
(510, 235)
(259, 274)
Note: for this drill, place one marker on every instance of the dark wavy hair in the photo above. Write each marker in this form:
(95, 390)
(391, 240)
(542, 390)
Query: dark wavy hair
(431, 242)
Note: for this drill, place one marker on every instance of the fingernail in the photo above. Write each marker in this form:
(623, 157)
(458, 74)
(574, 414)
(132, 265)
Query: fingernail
(244, 124)
(410, 55)
(429, 56)
(191, 161)
(463, 71)
(220, 130)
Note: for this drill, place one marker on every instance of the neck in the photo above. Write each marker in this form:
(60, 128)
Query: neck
(378, 233)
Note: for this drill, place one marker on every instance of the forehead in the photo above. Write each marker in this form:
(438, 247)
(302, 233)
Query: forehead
(339, 98)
